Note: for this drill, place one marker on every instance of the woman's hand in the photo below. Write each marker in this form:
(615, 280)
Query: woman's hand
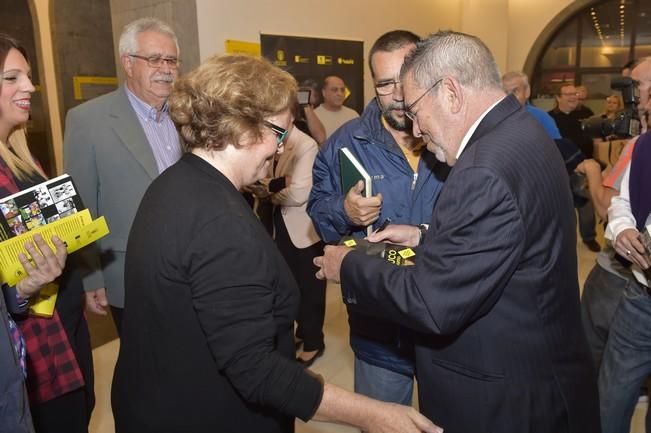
(45, 265)
(395, 418)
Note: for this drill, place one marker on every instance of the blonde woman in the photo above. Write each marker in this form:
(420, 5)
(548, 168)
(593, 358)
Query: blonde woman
(54, 354)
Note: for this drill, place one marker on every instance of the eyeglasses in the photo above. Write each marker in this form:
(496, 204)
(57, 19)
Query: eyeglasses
(157, 61)
(410, 114)
(384, 88)
(281, 133)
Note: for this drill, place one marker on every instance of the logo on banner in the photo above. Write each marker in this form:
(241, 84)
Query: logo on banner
(280, 58)
(301, 59)
(343, 61)
(324, 60)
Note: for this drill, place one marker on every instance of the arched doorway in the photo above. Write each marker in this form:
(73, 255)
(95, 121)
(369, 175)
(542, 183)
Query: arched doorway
(588, 43)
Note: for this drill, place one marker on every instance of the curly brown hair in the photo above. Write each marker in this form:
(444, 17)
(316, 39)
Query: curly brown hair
(226, 100)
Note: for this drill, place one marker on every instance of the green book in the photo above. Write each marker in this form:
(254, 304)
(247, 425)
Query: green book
(351, 171)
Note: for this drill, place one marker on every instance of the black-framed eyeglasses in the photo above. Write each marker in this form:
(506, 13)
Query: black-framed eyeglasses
(410, 114)
(384, 88)
(281, 133)
(157, 61)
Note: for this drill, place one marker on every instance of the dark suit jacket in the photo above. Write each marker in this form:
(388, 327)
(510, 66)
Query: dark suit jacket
(207, 334)
(494, 292)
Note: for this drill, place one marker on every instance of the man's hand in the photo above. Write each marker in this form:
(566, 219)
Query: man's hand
(330, 262)
(96, 301)
(588, 166)
(628, 245)
(398, 234)
(45, 265)
(362, 211)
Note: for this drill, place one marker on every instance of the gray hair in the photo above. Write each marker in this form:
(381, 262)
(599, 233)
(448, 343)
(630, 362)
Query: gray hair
(511, 76)
(129, 37)
(448, 53)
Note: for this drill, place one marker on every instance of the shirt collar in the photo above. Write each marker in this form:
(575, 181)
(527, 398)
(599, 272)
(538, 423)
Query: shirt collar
(144, 110)
(473, 128)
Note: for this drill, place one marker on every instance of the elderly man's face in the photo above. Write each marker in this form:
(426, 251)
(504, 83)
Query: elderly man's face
(430, 118)
(518, 88)
(388, 89)
(151, 84)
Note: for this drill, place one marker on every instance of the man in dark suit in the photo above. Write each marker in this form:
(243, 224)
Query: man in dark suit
(493, 294)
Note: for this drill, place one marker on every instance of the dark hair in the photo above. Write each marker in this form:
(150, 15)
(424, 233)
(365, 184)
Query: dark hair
(6, 44)
(391, 41)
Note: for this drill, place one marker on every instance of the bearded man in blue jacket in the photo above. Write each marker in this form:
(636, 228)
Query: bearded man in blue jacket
(406, 181)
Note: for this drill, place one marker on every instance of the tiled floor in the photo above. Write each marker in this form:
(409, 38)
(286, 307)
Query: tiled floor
(335, 365)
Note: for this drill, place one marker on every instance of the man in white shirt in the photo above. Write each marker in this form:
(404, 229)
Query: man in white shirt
(627, 360)
(332, 112)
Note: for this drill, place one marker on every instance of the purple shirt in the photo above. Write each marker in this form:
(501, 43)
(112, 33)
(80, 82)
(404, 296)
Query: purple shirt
(161, 133)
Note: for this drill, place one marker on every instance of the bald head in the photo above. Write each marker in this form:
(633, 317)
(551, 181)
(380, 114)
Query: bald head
(334, 92)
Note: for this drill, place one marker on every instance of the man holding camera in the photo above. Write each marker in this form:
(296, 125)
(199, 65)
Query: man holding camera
(332, 112)
(627, 360)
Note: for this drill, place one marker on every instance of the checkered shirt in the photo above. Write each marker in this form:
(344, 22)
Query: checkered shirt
(52, 369)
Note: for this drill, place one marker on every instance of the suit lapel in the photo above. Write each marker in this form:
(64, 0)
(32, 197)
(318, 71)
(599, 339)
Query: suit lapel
(501, 111)
(124, 122)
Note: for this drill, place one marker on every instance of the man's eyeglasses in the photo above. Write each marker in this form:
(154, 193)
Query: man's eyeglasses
(384, 88)
(281, 133)
(410, 114)
(157, 61)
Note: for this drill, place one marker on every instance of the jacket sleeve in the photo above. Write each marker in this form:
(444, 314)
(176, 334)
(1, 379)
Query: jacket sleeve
(234, 299)
(297, 193)
(472, 248)
(79, 159)
(326, 203)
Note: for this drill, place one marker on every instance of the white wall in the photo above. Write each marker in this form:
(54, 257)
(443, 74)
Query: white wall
(244, 20)
(526, 20)
(509, 27)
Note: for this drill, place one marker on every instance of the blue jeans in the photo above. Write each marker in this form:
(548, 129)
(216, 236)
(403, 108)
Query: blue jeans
(383, 384)
(626, 360)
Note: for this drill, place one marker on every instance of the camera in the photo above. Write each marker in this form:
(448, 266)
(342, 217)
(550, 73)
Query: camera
(627, 122)
(304, 96)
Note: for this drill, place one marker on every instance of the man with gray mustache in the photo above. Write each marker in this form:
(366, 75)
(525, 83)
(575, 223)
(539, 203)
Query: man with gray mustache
(405, 181)
(115, 145)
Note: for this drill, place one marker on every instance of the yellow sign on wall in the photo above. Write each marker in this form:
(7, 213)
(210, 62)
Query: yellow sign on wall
(79, 80)
(241, 47)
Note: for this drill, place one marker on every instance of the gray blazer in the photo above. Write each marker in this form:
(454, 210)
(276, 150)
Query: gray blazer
(107, 154)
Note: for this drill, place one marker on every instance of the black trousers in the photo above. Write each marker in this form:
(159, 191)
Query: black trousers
(312, 307)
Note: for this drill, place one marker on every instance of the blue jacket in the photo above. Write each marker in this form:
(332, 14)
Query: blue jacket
(407, 198)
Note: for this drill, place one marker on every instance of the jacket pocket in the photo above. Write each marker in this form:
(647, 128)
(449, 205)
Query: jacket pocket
(469, 372)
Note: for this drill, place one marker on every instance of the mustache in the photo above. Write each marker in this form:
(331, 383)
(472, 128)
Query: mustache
(163, 77)
(395, 106)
